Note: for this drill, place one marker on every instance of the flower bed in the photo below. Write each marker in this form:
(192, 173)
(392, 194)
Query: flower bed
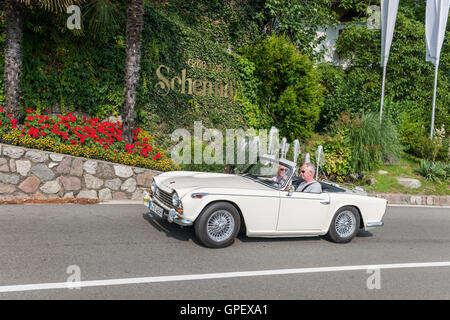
(83, 137)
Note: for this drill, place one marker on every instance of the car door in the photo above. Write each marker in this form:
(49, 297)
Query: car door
(303, 212)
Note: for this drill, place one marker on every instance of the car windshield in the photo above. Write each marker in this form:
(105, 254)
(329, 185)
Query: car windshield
(269, 172)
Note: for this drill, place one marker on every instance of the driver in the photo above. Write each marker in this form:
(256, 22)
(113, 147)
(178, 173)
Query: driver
(309, 184)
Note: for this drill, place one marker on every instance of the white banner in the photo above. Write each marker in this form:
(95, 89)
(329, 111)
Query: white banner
(388, 16)
(435, 24)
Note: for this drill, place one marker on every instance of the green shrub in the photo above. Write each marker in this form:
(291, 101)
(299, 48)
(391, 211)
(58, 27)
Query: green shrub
(289, 89)
(416, 140)
(373, 142)
(338, 158)
(337, 151)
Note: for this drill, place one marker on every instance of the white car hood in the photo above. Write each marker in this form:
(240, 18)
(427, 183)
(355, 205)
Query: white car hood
(184, 181)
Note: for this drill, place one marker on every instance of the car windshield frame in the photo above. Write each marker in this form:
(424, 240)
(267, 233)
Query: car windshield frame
(277, 162)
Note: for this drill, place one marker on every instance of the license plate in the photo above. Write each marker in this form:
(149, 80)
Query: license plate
(156, 209)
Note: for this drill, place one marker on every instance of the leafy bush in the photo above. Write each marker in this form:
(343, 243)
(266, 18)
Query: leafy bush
(416, 140)
(337, 151)
(338, 158)
(289, 89)
(435, 171)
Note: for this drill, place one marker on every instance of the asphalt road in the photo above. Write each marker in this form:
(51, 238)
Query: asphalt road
(40, 243)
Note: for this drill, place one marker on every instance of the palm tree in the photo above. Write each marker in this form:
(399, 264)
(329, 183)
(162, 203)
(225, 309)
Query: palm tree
(99, 15)
(15, 15)
(135, 23)
(13, 55)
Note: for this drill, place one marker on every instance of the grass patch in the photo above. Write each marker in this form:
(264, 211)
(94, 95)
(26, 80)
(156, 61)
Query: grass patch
(407, 167)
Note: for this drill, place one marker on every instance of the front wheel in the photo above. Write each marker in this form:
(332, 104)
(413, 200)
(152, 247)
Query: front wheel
(218, 225)
(344, 226)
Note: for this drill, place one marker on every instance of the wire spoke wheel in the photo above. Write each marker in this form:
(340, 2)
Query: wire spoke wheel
(220, 225)
(345, 224)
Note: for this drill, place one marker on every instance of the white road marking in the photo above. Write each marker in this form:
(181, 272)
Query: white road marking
(208, 276)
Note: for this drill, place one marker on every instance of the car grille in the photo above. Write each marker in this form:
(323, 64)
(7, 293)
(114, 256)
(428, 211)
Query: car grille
(164, 197)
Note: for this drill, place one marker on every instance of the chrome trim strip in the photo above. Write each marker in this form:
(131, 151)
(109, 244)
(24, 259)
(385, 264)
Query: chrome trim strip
(257, 196)
(241, 195)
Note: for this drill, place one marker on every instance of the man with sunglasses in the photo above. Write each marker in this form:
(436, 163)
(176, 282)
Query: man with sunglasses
(309, 184)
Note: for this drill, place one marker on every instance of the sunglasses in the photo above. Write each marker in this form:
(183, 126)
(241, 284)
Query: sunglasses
(283, 169)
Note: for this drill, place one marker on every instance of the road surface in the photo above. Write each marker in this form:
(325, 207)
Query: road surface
(121, 252)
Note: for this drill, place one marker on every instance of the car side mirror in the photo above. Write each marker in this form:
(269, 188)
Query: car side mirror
(291, 190)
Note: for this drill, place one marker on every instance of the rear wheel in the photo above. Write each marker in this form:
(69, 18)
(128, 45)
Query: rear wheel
(218, 225)
(345, 225)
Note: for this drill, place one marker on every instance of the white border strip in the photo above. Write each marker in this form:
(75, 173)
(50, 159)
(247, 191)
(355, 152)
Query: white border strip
(209, 276)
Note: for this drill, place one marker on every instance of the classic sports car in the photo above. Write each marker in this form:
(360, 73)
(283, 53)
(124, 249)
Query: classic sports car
(219, 206)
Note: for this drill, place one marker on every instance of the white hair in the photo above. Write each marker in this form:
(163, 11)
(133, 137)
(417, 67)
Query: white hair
(310, 167)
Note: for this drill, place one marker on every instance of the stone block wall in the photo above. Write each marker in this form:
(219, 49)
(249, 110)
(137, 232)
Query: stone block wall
(29, 173)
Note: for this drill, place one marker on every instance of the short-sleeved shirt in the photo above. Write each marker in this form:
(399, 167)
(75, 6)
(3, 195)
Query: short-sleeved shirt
(312, 187)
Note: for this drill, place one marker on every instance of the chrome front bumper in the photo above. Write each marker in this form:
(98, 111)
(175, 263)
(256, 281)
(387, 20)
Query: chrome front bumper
(169, 213)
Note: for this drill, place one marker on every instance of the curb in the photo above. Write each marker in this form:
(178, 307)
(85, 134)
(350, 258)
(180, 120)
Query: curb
(415, 199)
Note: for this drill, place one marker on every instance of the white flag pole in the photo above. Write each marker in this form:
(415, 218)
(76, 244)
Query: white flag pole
(382, 93)
(434, 99)
(435, 23)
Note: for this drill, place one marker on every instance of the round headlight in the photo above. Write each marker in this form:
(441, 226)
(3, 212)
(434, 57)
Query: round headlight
(175, 200)
(153, 187)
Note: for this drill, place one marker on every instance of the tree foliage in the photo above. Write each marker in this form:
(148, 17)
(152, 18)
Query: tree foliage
(299, 20)
(409, 78)
(288, 88)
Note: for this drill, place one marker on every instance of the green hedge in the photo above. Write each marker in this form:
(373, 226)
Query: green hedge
(68, 72)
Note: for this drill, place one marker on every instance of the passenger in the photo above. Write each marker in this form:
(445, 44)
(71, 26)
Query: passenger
(309, 184)
(281, 177)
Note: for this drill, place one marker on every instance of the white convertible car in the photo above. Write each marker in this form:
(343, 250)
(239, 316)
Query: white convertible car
(219, 206)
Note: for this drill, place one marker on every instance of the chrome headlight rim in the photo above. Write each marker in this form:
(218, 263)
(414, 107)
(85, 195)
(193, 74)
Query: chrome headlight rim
(176, 201)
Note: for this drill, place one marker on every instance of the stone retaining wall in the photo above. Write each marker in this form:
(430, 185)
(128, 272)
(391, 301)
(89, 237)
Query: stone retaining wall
(416, 199)
(29, 173)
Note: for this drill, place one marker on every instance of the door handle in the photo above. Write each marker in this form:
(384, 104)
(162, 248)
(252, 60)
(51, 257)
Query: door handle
(325, 202)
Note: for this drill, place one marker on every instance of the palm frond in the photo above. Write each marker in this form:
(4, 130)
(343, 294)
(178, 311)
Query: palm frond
(102, 15)
(53, 5)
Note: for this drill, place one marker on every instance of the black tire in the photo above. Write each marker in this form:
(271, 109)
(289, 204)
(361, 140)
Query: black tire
(213, 216)
(340, 232)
